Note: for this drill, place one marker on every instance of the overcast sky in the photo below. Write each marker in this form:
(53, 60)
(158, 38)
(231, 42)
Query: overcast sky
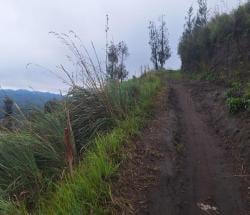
(24, 27)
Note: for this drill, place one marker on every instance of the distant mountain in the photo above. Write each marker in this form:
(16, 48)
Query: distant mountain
(26, 99)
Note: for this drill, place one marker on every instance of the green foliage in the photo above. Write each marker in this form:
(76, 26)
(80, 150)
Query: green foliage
(116, 55)
(123, 97)
(174, 75)
(236, 105)
(89, 185)
(95, 118)
(51, 106)
(247, 91)
(159, 44)
(238, 98)
(219, 46)
(89, 114)
(20, 175)
(88, 190)
(95, 112)
(247, 96)
(7, 208)
(236, 90)
(33, 158)
(8, 106)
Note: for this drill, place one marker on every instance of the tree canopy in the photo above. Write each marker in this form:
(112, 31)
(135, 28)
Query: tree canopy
(159, 44)
(220, 45)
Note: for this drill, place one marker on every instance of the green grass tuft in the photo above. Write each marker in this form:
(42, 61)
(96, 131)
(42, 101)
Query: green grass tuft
(33, 167)
(88, 190)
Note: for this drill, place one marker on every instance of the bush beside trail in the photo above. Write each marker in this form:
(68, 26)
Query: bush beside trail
(36, 155)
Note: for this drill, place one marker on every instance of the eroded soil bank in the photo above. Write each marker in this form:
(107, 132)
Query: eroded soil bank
(180, 164)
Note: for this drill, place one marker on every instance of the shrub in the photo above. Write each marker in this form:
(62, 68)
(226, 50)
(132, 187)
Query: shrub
(247, 91)
(31, 159)
(236, 90)
(36, 156)
(7, 208)
(89, 115)
(237, 105)
(20, 176)
(220, 46)
(238, 99)
(88, 190)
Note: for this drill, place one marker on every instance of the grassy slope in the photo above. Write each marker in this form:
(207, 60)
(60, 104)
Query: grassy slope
(88, 190)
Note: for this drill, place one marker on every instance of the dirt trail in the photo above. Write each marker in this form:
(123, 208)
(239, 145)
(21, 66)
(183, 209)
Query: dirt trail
(177, 166)
(149, 162)
(208, 173)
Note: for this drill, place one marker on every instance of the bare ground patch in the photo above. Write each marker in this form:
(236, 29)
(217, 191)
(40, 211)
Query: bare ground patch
(179, 164)
(150, 162)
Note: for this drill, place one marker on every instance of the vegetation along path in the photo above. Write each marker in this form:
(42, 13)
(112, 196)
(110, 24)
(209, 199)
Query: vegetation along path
(179, 166)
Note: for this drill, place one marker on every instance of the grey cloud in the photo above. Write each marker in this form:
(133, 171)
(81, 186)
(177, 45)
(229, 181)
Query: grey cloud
(24, 27)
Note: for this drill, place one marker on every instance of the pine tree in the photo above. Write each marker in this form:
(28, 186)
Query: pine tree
(163, 47)
(202, 15)
(189, 22)
(154, 43)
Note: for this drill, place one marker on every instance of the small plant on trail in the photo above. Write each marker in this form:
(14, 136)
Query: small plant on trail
(238, 99)
(237, 105)
(236, 90)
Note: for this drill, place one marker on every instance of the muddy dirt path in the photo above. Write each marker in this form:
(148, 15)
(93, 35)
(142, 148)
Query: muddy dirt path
(142, 183)
(177, 166)
(208, 175)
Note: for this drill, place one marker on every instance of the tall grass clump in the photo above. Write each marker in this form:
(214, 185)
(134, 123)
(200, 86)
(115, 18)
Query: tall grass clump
(69, 154)
(238, 98)
(31, 158)
(88, 190)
